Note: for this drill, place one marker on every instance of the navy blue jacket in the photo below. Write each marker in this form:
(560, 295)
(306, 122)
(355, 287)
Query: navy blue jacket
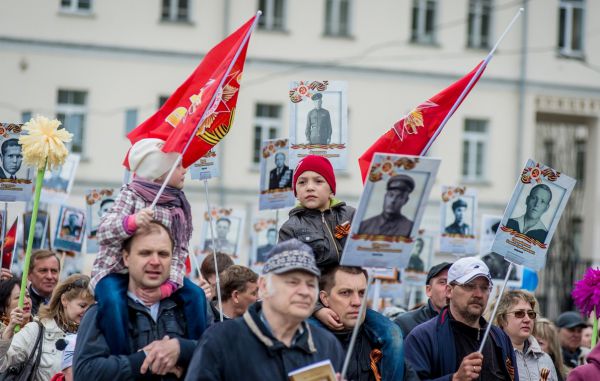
(430, 349)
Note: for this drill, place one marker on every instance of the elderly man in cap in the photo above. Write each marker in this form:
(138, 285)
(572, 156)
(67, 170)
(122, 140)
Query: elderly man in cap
(570, 324)
(391, 221)
(446, 347)
(272, 338)
(318, 123)
(435, 288)
(459, 208)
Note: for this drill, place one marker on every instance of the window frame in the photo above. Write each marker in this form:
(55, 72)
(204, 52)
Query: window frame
(73, 8)
(72, 109)
(472, 138)
(474, 39)
(568, 6)
(173, 14)
(265, 123)
(269, 16)
(420, 36)
(332, 27)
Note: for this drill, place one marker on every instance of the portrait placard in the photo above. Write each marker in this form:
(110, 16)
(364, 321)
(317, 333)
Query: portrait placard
(264, 238)
(58, 182)
(458, 211)
(42, 228)
(389, 212)
(319, 121)
(206, 167)
(421, 259)
(499, 266)
(489, 227)
(16, 178)
(228, 227)
(98, 202)
(532, 214)
(70, 229)
(275, 175)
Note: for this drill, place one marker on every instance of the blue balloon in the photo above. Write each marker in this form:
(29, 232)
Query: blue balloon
(530, 280)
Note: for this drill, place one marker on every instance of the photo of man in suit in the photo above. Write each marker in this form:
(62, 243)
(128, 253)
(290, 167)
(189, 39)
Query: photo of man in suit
(263, 251)
(318, 123)
(415, 263)
(459, 208)
(391, 221)
(281, 175)
(537, 203)
(12, 157)
(223, 244)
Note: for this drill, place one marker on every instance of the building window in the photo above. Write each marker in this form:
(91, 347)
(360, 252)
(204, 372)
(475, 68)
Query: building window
(175, 10)
(479, 19)
(162, 99)
(423, 21)
(570, 27)
(580, 152)
(131, 120)
(26, 116)
(71, 112)
(550, 153)
(267, 124)
(273, 17)
(337, 17)
(474, 150)
(76, 6)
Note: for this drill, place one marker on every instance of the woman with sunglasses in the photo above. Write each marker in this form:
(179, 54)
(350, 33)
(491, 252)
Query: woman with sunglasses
(516, 316)
(70, 299)
(10, 313)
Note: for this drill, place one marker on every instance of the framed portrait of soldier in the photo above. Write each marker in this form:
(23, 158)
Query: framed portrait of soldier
(41, 234)
(421, 259)
(458, 215)
(70, 229)
(264, 236)
(98, 202)
(206, 167)
(487, 232)
(319, 121)
(226, 235)
(275, 176)
(16, 178)
(58, 182)
(532, 215)
(386, 222)
(498, 267)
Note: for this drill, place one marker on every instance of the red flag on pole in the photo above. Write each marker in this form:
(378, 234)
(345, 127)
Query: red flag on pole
(9, 246)
(200, 112)
(413, 134)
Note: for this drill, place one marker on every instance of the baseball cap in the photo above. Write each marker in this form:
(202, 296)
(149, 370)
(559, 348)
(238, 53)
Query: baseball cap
(299, 258)
(466, 269)
(435, 270)
(570, 319)
(402, 182)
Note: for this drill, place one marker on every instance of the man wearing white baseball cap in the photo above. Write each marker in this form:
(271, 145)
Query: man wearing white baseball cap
(446, 346)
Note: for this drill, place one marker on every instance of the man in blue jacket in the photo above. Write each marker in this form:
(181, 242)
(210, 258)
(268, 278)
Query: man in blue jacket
(446, 347)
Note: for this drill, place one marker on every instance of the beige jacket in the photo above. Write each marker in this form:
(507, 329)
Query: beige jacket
(17, 350)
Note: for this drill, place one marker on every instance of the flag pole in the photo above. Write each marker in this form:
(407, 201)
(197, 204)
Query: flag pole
(214, 251)
(204, 115)
(491, 319)
(4, 226)
(470, 84)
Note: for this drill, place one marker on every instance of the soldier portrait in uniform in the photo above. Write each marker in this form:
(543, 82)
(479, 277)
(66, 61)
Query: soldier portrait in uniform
(459, 226)
(318, 123)
(222, 242)
(391, 221)
(281, 176)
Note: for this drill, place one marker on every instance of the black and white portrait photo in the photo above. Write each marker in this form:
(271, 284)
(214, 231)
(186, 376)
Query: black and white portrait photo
(530, 223)
(227, 229)
(16, 178)
(41, 233)
(280, 176)
(458, 211)
(318, 122)
(459, 226)
(275, 175)
(12, 158)
(58, 182)
(70, 229)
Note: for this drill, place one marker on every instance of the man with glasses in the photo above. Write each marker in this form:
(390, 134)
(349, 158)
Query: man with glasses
(446, 346)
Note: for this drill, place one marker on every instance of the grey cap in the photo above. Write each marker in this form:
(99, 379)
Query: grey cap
(295, 259)
(402, 182)
(570, 319)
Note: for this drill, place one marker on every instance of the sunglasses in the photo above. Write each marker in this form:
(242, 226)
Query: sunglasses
(520, 314)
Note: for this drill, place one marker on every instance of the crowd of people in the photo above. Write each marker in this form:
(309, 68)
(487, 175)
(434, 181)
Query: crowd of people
(139, 317)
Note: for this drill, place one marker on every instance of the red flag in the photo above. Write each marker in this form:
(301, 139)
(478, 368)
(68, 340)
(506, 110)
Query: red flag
(411, 134)
(217, 77)
(9, 245)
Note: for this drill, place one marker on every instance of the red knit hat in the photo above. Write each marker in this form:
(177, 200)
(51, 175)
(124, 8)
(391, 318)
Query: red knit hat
(317, 164)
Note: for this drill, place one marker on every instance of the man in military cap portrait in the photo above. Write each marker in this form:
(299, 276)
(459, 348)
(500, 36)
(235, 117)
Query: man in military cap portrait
(391, 221)
(318, 123)
(459, 208)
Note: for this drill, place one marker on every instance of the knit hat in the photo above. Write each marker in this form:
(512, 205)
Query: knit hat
(148, 161)
(318, 164)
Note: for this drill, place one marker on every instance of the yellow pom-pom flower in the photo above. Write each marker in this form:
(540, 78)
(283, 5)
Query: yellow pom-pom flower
(45, 142)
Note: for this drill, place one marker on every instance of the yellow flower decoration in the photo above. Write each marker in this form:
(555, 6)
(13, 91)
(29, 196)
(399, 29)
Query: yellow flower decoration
(44, 141)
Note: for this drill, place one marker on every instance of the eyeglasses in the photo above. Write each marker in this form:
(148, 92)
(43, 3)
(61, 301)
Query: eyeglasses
(470, 287)
(520, 314)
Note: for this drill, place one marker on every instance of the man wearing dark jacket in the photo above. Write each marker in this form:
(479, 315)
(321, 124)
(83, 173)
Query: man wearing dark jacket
(435, 289)
(272, 338)
(159, 348)
(446, 347)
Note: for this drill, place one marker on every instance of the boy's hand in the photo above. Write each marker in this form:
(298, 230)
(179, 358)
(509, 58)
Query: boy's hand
(328, 317)
(207, 288)
(149, 297)
(144, 217)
